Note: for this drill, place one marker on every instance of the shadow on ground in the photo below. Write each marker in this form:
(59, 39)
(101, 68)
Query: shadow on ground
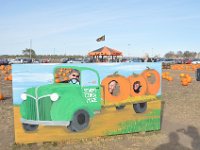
(174, 143)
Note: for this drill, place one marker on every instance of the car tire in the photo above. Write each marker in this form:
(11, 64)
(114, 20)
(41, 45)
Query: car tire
(140, 107)
(79, 121)
(120, 107)
(29, 127)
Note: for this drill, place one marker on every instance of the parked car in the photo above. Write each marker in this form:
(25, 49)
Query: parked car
(168, 61)
(125, 60)
(196, 61)
(27, 60)
(179, 61)
(187, 61)
(75, 61)
(136, 60)
(4, 62)
(16, 61)
(45, 61)
(64, 60)
(36, 61)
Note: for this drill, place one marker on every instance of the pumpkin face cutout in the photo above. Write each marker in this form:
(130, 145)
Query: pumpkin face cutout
(121, 93)
(114, 88)
(138, 86)
(153, 82)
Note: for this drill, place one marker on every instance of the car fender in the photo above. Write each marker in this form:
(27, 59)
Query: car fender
(64, 109)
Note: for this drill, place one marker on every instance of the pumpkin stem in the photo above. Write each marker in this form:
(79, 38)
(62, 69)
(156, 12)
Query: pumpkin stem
(134, 74)
(148, 67)
(116, 73)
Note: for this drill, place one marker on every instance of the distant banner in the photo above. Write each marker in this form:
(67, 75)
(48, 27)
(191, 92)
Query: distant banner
(102, 38)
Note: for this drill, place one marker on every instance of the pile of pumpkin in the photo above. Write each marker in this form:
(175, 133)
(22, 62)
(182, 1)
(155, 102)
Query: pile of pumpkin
(185, 79)
(187, 67)
(166, 75)
(61, 74)
(5, 73)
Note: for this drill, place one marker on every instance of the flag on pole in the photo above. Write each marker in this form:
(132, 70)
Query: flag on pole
(102, 38)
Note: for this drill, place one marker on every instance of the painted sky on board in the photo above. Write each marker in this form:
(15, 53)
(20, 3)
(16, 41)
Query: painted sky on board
(33, 75)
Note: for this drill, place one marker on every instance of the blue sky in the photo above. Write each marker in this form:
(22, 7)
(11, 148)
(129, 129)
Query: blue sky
(134, 27)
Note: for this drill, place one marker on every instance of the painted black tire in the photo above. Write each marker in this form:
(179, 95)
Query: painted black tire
(140, 107)
(29, 127)
(120, 107)
(80, 121)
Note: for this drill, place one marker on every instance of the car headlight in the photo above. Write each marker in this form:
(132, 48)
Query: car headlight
(54, 97)
(23, 96)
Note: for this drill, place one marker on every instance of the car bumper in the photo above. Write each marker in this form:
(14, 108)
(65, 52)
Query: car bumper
(50, 123)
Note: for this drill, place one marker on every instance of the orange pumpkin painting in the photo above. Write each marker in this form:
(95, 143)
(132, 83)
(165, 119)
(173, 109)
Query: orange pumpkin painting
(121, 84)
(152, 87)
(138, 85)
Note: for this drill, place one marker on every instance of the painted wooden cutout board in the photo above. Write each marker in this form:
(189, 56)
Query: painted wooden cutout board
(57, 102)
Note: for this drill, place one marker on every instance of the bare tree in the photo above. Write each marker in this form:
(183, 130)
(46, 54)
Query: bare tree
(179, 54)
(170, 54)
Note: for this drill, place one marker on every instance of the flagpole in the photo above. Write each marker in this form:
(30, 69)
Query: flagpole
(30, 47)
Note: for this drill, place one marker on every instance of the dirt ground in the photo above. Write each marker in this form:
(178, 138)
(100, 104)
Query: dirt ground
(180, 124)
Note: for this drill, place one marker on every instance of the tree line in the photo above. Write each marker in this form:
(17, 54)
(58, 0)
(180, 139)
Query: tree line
(30, 53)
(180, 54)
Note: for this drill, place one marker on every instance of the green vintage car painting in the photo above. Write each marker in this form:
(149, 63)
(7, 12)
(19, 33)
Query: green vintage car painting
(69, 104)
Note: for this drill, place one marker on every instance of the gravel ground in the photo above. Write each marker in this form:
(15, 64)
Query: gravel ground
(180, 124)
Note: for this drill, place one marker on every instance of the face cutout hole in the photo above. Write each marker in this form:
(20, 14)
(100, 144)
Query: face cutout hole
(114, 88)
(137, 87)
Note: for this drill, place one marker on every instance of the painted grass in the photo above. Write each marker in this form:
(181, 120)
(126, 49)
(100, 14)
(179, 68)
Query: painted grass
(155, 112)
(137, 126)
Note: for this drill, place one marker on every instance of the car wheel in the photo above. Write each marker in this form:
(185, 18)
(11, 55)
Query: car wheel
(140, 107)
(80, 121)
(120, 107)
(29, 127)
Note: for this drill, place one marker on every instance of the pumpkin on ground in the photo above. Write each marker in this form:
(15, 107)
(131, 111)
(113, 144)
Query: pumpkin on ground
(169, 78)
(6, 78)
(184, 81)
(182, 75)
(189, 79)
(1, 96)
(2, 67)
(10, 77)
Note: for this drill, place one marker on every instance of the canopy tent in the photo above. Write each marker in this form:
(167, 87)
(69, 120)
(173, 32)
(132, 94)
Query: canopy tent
(105, 51)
